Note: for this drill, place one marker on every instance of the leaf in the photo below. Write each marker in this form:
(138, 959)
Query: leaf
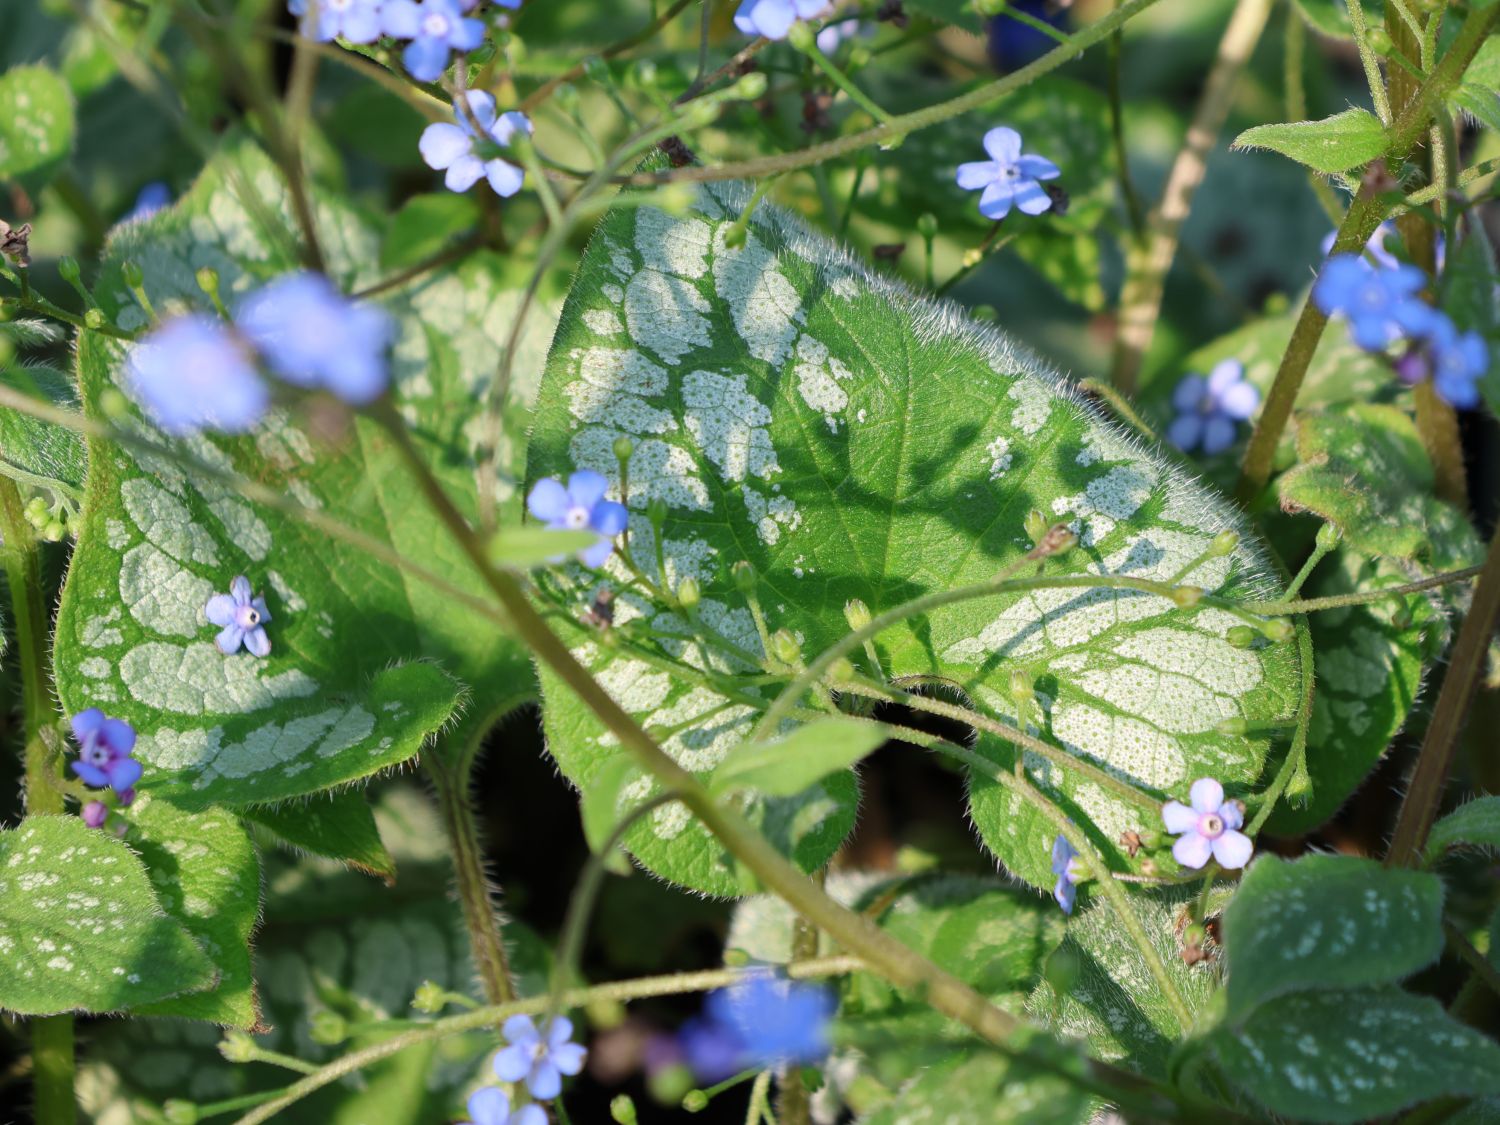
(42, 449)
(1328, 17)
(1474, 824)
(1480, 102)
(426, 225)
(960, 13)
(1345, 1056)
(80, 927)
(524, 547)
(364, 657)
(1335, 144)
(36, 121)
(600, 805)
(985, 1086)
(847, 438)
(207, 875)
(338, 826)
(786, 766)
(1327, 921)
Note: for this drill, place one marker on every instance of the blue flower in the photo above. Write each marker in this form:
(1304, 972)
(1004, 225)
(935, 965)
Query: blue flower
(1208, 410)
(242, 617)
(312, 335)
(193, 372)
(1376, 249)
(490, 1105)
(1009, 178)
(1373, 300)
(435, 27)
(1069, 872)
(104, 752)
(774, 18)
(842, 31)
(1013, 44)
(152, 198)
(452, 147)
(778, 1022)
(580, 505)
(1454, 361)
(1209, 828)
(356, 20)
(540, 1061)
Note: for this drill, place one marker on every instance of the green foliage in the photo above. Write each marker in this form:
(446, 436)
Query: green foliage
(1328, 17)
(36, 122)
(977, 1084)
(724, 367)
(41, 448)
(786, 766)
(960, 13)
(1335, 144)
(1475, 824)
(337, 826)
(81, 928)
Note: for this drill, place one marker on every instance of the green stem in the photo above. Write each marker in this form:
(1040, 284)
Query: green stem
(1368, 60)
(1366, 597)
(645, 35)
(1294, 50)
(1133, 206)
(846, 84)
(37, 303)
(760, 1099)
(793, 1102)
(1296, 756)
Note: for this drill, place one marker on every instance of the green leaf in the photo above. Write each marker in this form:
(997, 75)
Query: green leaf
(1329, 17)
(36, 121)
(847, 438)
(1475, 824)
(980, 1085)
(1377, 1052)
(207, 875)
(426, 225)
(1484, 68)
(960, 13)
(1481, 102)
(1327, 921)
(524, 547)
(600, 803)
(1335, 144)
(364, 657)
(80, 927)
(786, 766)
(338, 826)
(42, 448)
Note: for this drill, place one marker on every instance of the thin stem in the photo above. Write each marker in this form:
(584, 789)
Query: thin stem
(1133, 206)
(760, 1099)
(1479, 964)
(1151, 261)
(793, 1102)
(411, 273)
(1295, 761)
(832, 72)
(1369, 60)
(1319, 553)
(1365, 597)
(645, 35)
(37, 303)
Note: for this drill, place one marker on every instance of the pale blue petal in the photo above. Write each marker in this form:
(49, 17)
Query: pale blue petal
(258, 643)
(442, 144)
(512, 1063)
(594, 557)
(587, 487)
(426, 59)
(1003, 144)
(230, 639)
(1034, 167)
(549, 500)
(545, 1081)
(464, 173)
(1032, 198)
(1178, 817)
(995, 202)
(1206, 795)
(504, 177)
(1233, 850)
(1186, 431)
(220, 609)
(977, 174)
(402, 19)
(1192, 850)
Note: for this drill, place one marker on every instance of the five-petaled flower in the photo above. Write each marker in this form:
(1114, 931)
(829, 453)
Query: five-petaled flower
(104, 749)
(581, 505)
(1374, 301)
(193, 372)
(464, 154)
(490, 1105)
(242, 618)
(435, 27)
(1009, 178)
(356, 20)
(1210, 828)
(538, 1060)
(763, 1020)
(1208, 410)
(1069, 871)
(312, 335)
(774, 18)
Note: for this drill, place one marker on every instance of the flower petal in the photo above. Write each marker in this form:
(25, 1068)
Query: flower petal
(489, 1105)
(1178, 817)
(995, 202)
(463, 173)
(481, 109)
(594, 557)
(587, 487)
(1192, 850)
(568, 1057)
(545, 1080)
(1032, 198)
(441, 144)
(1232, 813)
(362, 25)
(548, 500)
(1226, 373)
(1066, 894)
(1233, 850)
(467, 34)
(220, 609)
(559, 1031)
(91, 775)
(257, 643)
(1186, 431)
(240, 590)
(1240, 400)
(426, 59)
(1003, 144)
(259, 605)
(520, 1029)
(1218, 434)
(117, 736)
(977, 174)
(608, 517)
(402, 19)
(230, 639)
(504, 177)
(1034, 167)
(512, 1063)
(529, 1115)
(1189, 392)
(1206, 795)
(87, 724)
(123, 773)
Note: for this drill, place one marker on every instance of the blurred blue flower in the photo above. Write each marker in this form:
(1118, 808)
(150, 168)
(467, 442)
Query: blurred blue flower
(435, 27)
(490, 1105)
(1013, 44)
(539, 1060)
(152, 198)
(1376, 249)
(1009, 177)
(1372, 300)
(774, 18)
(1069, 872)
(356, 20)
(453, 147)
(194, 372)
(242, 617)
(777, 1021)
(1454, 361)
(312, 335)
(104, 751)
(1209, 828)
(842, 31)
(1208, 410)
(580, 505)
(94, 813)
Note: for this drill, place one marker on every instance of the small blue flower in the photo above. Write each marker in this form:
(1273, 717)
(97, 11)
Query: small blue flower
(1454, 361)
(358, 21)
(1013, 44)
(312, 335)
(104, 752)
(774, 18)
(580, 505)
(1373, 300)
(540, 1061)
(1208, 410)
(242, 618)
(1069, 871)
(193, 372)
(435, 27)
(1009, 178)
(842, 31)
(453, 147)
(779, 1022)
(1209, 828)
(490, 1105)
(152, 198)
(712, 1051)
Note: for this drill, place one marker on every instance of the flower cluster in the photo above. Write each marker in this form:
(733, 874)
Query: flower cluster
(1209, 828)
(1010, 178)
(196, 371)
(467, 150)
(1209, 410)
(774, 18)
(1381, 301)
(435, 28)
(539, 1060)
(579, 506)
(760, 1021)
(104, 761)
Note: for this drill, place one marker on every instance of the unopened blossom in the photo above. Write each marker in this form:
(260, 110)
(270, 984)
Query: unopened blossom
(242, 618)
(1209, 828)
(774, 18)
(194, 373)
(94, 813)
(358, 21)
(1010, 178)
(461, 150)
(1069, 871)
(490, 1105)
(578, 507)
(435, 28)
(540, 1060)
(1210, 409)
(105, 746)
(312, 335)
(1372, 300)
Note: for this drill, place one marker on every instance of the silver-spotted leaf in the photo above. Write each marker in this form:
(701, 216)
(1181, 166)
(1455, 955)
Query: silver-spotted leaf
(975, 1084)
(36, 121)
(848, 438)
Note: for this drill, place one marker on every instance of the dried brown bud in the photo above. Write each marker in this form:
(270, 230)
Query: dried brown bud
(678, 154)
(1131, 842)
(1058, 538)
(889, 251)
(601, 615)
(15, 243)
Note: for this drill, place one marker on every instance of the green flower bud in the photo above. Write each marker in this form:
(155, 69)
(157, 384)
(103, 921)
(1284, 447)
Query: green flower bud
(67, 268)
(94, 319)
(1224, 544)
(1240, 636)
(656, 511)
(744, 576)
(856, 613)
(566, 98)
(1379, 40)
(1035, 525)
(801, 37)
(237, 1047)
(1194, 934)
(1187, 596)
(1020, 686)
(841, 671)
(208, 280)
(1328, 537)
(734, 237)
(179, 1112)
(430, 998)
(624, 447)
(1277, 629)
(622, 1110)
(328, 1028)
(670, 1084)
(1233, 725)
(784, 647)
(132, 274)
(689, 594)
(751, 87)
(695, 1101)
(597, 70)
(927, 225)
(54, 531)
(643, 74)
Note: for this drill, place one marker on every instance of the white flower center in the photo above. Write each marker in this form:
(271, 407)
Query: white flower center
(1211, 825)
(577, 518)
(435, 25)
(94, 754)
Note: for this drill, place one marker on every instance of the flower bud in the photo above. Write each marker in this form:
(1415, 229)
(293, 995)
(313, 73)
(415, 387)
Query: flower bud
(689, 594)
(430, 998)
(622, 1109)
(94, 319)
(54, 531)
(784, 647)
(67, 268)
(927, 225)
(841, 671)
(1063, 968)
(1187, 596)
(744, 576)
(801, 37)
(1058, 539)
(1328, 537)
(1020, 686)
(597, 70)
(566, 97)
(856, 613)
(734, 237)
(1233, 725)
(751, 87)
(237, 1047)
(328, 1028)
(656, 511)
(1240, 636)
(1035, 525)
(695, 1101)
(1277, 629)
(1224, 544)
(178, 1112)
(94, 814)
(1194, 934)
(1379, 40)
(132, 274)
(624, 447)
(643, 74)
